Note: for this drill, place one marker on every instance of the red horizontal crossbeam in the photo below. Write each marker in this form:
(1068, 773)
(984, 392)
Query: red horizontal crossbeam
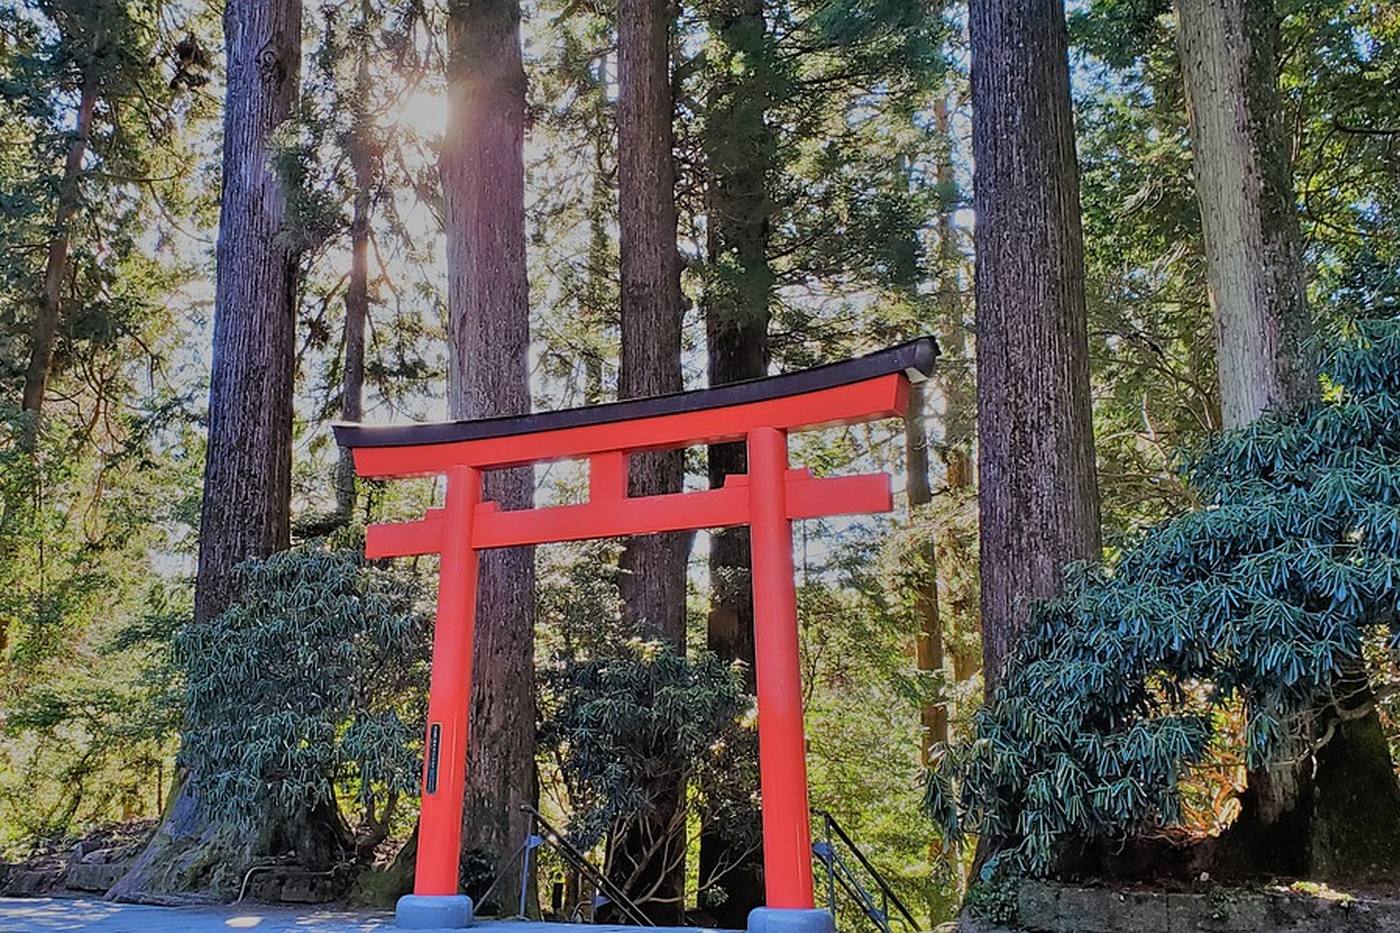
(807, 497)
(881, 397)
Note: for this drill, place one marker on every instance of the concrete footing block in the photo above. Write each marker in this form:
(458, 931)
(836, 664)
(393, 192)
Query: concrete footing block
(433, 912)
(790, 920)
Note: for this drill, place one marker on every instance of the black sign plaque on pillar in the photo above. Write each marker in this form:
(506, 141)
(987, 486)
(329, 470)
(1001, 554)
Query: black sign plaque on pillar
(434, 745)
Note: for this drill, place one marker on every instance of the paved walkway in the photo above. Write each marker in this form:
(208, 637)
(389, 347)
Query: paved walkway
(53, 915)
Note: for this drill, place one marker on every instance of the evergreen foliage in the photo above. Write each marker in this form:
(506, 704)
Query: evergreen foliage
(1151, 342)
(811, 126)
(314, 678)
(1151, 339)
(819, 152)
(1264, 595)
(142, 70)
(620, 714)
(95, 497)
(624, 722)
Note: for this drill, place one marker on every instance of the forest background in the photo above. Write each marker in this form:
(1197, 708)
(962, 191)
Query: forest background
(706, 192)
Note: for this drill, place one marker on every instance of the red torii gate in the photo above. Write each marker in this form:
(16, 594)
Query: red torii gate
(767, 499)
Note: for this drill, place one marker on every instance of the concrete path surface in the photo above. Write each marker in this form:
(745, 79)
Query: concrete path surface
(52, 915)
(59, 915)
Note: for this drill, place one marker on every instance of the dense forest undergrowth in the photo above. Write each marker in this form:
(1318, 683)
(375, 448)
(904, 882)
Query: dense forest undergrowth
(1146, 506)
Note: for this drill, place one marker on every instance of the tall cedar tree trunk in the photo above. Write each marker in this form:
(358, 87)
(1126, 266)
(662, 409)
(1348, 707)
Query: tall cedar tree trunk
(930, 648)
(596, 308)
(352, 383)
(740, 153)
(49, 315)
(959, 397)
(1243, 175)
(483, 178)
(650, 858)
(248, 463)
(937, 604)
(1336, 813)
(928, 644)
(1038, 501)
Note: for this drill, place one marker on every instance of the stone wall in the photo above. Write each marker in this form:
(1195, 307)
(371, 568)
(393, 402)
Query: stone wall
(1043, 907)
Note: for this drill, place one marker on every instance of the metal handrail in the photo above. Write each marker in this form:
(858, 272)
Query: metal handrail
(839, 873)
(880, 916)
(579, 861)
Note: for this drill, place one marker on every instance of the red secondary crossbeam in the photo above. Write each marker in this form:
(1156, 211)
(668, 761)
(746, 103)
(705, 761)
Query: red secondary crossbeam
(806, 497)
(767, 499)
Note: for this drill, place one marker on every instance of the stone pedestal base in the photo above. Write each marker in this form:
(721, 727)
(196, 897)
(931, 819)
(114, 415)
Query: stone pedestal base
(790, 920)
(433, 911)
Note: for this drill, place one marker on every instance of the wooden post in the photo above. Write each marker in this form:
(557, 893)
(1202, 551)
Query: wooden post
(782, 763)
(449, 693)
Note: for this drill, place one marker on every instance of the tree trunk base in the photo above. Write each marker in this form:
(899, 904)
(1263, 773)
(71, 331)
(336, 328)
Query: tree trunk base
(1346, 826)
(187, 859)
(648, 864)
(1356, 814)
(382, 887)
(731, 868)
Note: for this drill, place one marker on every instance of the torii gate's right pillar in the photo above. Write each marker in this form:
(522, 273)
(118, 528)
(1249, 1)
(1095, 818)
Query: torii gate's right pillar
(782, 747)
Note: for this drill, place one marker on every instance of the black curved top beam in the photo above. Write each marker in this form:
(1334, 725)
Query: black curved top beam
(914, 358)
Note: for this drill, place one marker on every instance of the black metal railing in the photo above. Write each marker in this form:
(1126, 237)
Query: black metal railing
(542, 833)
(849, 872)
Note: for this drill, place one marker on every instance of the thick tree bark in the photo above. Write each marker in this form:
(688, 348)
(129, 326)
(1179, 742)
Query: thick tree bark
(352, 384)
(730, 857)
(1331, 812)
(248, 462)
(1242, 169)
(1039, 503)
(1324, 813)
(739, 148)
(247, 473)
(483, 175)
(957, 390)
(928, 643)
(597, 309)
(49, 315)
(653, 568)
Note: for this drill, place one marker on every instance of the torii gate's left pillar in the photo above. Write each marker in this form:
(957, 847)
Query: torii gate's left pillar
(435, 902)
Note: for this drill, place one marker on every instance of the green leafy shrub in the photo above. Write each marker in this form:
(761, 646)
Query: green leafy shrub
(314, 679)
(992, 899)
(1264, 595)
(642, 716)
(633, 733)
(87, 722)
